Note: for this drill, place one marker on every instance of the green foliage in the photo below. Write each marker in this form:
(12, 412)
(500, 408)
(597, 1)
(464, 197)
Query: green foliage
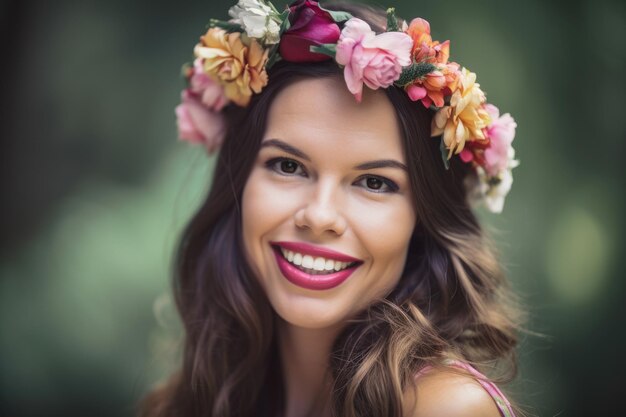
(414, 72)
(227, 26)
(445, 154)
(392, 20)
(337, 16)
(285, 23)
(329, 49)
(273, 57)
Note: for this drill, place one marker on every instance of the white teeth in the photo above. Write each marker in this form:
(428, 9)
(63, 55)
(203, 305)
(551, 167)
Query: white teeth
(317, 264)
(329, 265)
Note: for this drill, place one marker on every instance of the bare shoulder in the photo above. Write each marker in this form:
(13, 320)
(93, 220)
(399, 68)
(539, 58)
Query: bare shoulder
(441, 393)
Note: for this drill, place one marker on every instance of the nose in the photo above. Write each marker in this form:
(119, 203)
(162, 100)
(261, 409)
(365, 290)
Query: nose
(320, 213)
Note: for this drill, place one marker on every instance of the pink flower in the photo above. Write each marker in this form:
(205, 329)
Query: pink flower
(197, 123)
(429, 89)
(434, 86)
(209, 91)
(501, 131)
(310, 26)
(466, 155)
(375, 60)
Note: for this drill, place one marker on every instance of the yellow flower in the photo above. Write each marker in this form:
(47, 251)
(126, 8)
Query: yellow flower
(240, 68)
(465, 118)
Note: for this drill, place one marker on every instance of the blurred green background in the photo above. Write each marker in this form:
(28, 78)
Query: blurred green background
(95, 189)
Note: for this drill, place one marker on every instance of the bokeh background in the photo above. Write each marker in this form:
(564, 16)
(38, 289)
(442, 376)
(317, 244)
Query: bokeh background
(95, 189)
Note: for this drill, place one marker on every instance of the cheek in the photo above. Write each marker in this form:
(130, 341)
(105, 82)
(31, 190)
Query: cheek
(386, 228)
(265, 208)
(254, 209)
(385, 232)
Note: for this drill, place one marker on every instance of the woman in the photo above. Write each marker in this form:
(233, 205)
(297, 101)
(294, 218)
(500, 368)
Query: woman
(336, 267)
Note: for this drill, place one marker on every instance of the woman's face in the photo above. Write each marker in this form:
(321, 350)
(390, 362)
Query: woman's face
(326, 211)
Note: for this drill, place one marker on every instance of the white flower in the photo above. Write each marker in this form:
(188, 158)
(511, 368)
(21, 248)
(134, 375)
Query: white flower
(258, 18)
(495, 190)
(491, 190)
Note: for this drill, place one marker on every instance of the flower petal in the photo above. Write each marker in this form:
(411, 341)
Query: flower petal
(397, 43)
(416, 92)
(356, 29)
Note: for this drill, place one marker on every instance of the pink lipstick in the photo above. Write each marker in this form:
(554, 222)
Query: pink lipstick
(309, 281)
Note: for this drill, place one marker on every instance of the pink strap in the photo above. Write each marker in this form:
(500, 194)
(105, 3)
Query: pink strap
(501, 402)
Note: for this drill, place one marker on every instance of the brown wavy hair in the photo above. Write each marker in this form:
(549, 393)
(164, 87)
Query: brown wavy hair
(451, 300)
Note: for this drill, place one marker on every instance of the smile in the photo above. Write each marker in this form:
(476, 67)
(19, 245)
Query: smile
(313, 267)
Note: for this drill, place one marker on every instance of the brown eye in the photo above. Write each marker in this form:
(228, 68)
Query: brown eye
(288, 166)
(285, 166)
(377, 184)
(374, 183)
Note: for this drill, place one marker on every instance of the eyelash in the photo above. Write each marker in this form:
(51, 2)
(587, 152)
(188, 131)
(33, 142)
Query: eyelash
(273, 164)
(392, 187)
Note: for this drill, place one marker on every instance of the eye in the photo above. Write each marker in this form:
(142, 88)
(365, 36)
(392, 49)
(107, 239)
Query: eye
(286, 166)
(377, 184)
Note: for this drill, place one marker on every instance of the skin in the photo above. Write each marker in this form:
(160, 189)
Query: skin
(305, 187)
(448, 394)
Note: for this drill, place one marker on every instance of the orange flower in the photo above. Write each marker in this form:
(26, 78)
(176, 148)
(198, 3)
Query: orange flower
(431, 88)
(424, 48)
(451, 72)
(240, 68)
(465, 118)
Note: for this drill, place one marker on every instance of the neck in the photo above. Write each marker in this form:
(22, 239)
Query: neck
(304, 357)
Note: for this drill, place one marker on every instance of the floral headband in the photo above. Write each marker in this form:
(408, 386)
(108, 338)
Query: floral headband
(232, 59)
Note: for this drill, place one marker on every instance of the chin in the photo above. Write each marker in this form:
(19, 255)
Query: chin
(310, 314)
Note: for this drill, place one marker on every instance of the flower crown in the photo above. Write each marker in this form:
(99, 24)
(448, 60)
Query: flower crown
(232, 59)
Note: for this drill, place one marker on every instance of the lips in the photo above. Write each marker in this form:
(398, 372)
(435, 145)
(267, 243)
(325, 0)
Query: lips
(313, 267)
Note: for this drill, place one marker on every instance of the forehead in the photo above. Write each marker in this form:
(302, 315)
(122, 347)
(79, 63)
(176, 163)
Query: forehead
(322, 110)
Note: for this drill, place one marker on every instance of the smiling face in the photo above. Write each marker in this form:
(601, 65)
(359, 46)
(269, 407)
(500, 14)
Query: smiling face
(326, 212)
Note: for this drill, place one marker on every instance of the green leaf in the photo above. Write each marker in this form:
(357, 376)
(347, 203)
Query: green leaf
(274, 57)
(269, 3)
(414, 72)
(286, 24)
(329, 49)
(337, 16)
(227, 26)
(444, 154)
(392, 20)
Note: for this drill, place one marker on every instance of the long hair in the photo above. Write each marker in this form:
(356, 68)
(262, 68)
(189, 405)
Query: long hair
(451, 300)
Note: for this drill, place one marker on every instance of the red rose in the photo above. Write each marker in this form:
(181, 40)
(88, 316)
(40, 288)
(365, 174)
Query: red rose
(310, 26)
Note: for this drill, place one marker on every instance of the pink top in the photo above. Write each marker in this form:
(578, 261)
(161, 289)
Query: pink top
(501, 402)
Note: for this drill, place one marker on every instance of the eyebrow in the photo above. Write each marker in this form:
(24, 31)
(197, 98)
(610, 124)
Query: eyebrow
(382, 163)
(285, 147)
